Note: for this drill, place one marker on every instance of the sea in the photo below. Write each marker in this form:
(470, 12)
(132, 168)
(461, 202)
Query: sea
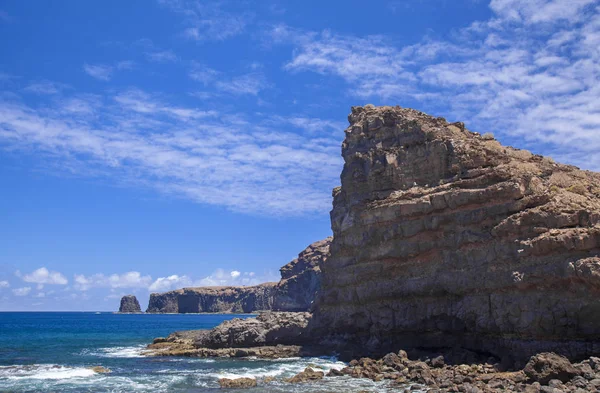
(55, 351)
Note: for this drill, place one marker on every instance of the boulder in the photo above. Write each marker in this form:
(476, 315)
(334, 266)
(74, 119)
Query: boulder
(237, 383)
(546, 367)
(306, 376)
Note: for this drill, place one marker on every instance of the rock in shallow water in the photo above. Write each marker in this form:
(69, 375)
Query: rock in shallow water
(237, 383)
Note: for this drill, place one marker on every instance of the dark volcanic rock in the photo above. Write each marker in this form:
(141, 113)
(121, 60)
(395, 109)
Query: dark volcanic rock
(445, 238)
(301, 278)
(300, 282)
(545, 367)
(214, 299)
(129, 304)
(270, 335)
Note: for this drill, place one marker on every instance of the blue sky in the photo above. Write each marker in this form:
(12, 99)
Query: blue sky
(150, 145)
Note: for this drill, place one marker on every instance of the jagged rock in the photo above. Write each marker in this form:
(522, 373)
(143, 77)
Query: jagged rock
(129, 304)
(269, 335)
(443, 238)
(300, 282)
(545, 367)
(237, 383)
(301, 278)
(306, 376)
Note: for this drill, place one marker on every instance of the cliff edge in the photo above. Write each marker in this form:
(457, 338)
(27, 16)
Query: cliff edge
(445, 238)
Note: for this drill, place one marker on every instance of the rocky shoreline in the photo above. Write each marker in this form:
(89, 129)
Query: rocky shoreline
(481, 261)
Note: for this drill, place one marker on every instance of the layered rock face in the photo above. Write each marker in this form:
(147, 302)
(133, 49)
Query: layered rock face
(129, 304)
(301, 278)
(300, 282)
(214, 299)
(444, 238)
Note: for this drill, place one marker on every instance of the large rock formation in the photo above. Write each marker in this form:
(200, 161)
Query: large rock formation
(129, 304)
(301, 278)
(214, 299)
(300, 282)
(444, 237)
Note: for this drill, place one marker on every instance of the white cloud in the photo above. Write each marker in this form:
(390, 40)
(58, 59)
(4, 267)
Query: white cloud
(531, 72)
(245, 163)
(98, 71)
(208, 21)
(44, 276)
(163, 284)
(162, 56)
(4, 284)
(24, 291)
(45, 88)
(219, 277)
(126, 280)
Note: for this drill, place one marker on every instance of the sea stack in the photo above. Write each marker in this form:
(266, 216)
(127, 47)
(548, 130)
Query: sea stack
(443, 237)
(129, 304)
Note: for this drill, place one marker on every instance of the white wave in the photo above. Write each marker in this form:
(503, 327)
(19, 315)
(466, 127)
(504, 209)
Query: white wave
(117, 352)
(45, 371)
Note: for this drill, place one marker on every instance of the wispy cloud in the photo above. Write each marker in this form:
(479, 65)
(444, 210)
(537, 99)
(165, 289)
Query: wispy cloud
(99, 71)
(239, 161)
(250, 83)
(531, 71)
(4, 284)
(24, 291)
(210, 20)
(125, 280)
(164, 56)
(45, 87)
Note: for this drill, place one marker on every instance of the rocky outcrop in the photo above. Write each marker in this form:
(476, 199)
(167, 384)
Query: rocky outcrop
(269, 335)
(444, 238)
(129, 304)
(300, 282)
(301, 278)
(214, 300)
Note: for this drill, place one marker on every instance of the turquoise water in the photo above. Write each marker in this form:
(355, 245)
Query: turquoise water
(53, 352)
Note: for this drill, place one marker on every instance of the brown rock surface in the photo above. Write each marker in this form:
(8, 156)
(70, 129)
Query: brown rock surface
(237, 383)
(301, 278)
(306, 376)
(545, 367)
(269, 335)
(445, 238)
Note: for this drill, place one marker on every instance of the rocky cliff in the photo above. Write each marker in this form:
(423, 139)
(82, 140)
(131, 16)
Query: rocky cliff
(301, 278)
(129, 304)
(214, 299)
(444, 237)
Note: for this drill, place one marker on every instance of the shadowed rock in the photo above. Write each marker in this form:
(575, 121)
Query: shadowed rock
(129, 304)
(445, 238)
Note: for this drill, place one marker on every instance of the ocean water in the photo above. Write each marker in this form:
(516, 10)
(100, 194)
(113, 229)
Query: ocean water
(53, 352)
